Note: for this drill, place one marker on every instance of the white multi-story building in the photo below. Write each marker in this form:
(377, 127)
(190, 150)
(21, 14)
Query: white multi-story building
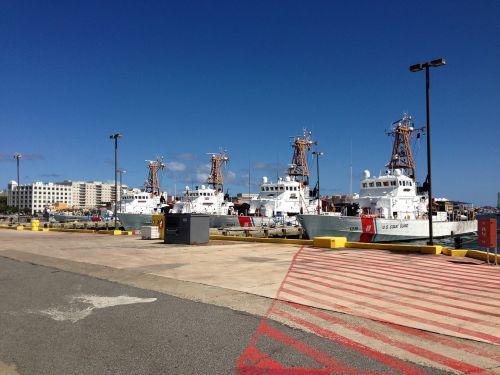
(75, 194)
(38, 195)
(92, 194)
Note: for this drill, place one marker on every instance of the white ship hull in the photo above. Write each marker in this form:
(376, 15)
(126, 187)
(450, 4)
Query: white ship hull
(372, 229)
(137, 221)
(130, 221)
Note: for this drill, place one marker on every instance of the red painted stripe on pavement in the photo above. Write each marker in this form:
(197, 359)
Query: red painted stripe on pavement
(445, 272)
(436, 337)
(257, 358)
(375, 281)
(383, 358)
(386, 271)
(449, 327)
(479, 268)
(400, 303)
(444, 269)
(422, 352)
(353, 271)
(394, 293)
(380, 270)
(443, 340)
(320, 357)
(251, 370)
(253, 340)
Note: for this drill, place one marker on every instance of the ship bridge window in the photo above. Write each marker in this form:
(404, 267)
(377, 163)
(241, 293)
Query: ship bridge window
(372, 184)
(378, 183)
(282, 188)
(393, 183)
(365, 184)
(400, 183)
(386, 183)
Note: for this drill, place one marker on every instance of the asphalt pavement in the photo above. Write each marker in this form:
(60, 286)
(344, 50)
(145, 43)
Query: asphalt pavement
(57, 322)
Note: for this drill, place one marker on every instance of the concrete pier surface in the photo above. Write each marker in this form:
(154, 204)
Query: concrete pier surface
(400, 309)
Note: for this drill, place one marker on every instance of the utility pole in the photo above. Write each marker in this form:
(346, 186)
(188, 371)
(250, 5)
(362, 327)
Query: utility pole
(18, 156)
(115, 137)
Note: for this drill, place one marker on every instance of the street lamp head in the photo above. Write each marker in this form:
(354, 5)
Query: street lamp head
(416, 67)
(115, 136)
(437, 62)
(319, 153)
(17, 156)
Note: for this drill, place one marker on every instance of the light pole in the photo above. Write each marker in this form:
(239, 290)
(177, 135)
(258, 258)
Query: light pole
(115, 137)
(18, 156)
(418, 68)
(121, 171)
(318, 154)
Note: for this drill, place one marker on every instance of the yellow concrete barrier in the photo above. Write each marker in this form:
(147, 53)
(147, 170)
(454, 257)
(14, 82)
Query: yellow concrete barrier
(70, 230)
(20, 227)
(431, 249)
(330, 242)
(290, 241)
(454, 252)
(481, 255)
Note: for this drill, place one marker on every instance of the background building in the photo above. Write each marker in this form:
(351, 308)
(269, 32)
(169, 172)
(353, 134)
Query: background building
(38, 195)
(70, 194)
(91, 194)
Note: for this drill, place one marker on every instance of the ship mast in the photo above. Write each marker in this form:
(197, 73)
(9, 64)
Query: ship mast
(215, 179)
(298, 168)
(402, 156)
(152, 185)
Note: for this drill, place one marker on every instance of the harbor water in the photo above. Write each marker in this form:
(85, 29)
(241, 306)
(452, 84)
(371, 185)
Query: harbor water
(469, 241)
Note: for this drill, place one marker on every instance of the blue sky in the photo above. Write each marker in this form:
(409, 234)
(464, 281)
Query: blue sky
(182, 79)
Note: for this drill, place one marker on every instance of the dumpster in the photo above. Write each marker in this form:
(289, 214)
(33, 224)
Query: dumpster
(190, 229)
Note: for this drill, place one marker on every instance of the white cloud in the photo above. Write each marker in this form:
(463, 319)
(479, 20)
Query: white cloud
(188, 156)
(229, 177)
(202, 172)
(176, 166)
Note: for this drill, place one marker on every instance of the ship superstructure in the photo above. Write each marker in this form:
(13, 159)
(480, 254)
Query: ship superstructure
(290, 195)
(138, 207)
(207, 199)
(402, 155)
(390, 205)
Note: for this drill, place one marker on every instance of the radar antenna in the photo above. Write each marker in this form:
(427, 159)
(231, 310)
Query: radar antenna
(215, 179)
(301, 145)
(152, 185)
(402, 156)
